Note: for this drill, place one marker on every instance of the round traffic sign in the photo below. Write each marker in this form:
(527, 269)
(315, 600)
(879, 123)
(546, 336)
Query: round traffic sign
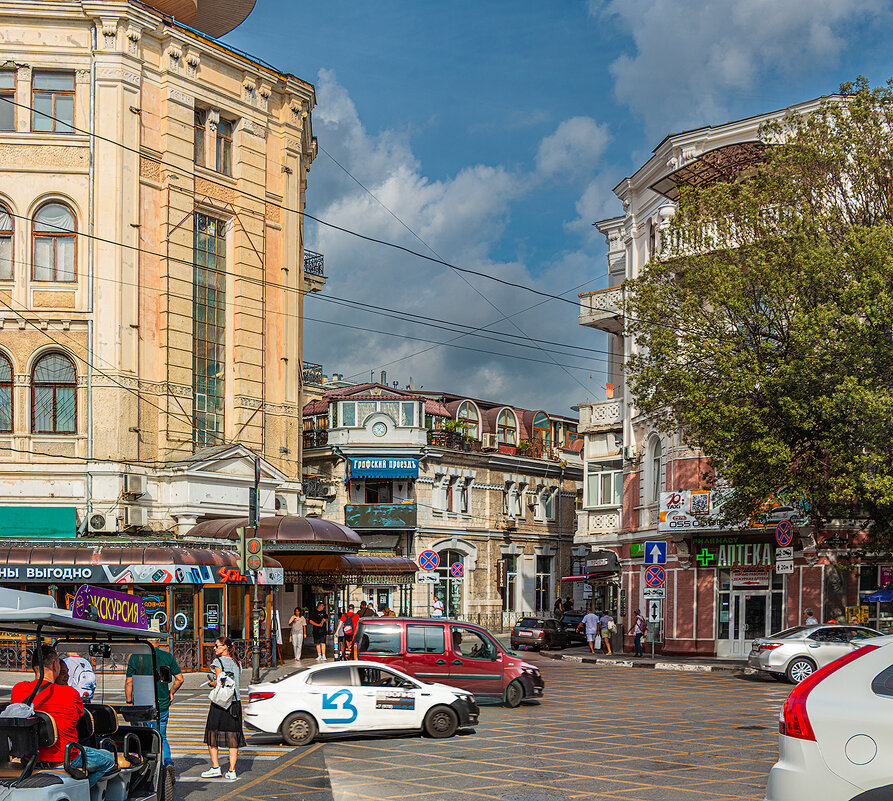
(254, 562)
(784, 533)
(429, 560)
(457, 570)
(655, 576)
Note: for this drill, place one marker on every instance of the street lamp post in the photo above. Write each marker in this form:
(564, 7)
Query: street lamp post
(255, 612)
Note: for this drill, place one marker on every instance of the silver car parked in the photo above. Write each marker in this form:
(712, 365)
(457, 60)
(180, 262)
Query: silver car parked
(796, 653)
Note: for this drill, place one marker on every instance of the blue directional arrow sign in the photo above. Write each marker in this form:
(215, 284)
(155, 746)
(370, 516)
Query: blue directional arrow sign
(345, 706)
(655, 552)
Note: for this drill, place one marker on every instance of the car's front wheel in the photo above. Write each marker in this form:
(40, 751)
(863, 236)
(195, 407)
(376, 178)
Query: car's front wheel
(514, 694)
(299, 728)
(441, 722)
(800, 668)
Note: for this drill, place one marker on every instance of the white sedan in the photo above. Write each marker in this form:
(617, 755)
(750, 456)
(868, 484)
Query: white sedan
(836, 733)
(354, 697)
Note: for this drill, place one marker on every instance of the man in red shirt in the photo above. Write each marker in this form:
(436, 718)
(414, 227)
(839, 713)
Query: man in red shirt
(64, 705)
(349, 622)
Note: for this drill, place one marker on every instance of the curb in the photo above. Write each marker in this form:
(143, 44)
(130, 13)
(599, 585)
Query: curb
(686, 667)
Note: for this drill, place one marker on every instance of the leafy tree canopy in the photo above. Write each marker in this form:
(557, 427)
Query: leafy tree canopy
(765, 327)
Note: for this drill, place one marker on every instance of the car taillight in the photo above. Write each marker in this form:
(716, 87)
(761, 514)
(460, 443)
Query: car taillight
(541, 634)
(793, 720)
(769, 646)
(252, 697)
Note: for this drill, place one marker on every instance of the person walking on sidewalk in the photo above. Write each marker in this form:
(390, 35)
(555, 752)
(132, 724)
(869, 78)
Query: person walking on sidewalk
(590, 625)
(225, 722)
(298, 625)
(811, 619)
(319, 623)
(348, 627)
(608, 627)
(558, 610)
(639, 627)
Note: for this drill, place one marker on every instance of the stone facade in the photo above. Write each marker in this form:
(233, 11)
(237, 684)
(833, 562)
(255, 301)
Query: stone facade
(127, 171)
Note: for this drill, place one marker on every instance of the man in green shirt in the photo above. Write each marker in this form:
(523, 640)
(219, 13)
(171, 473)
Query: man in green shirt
(141, 665)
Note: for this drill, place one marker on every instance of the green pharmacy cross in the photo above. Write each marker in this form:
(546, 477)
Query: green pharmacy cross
(705, 557)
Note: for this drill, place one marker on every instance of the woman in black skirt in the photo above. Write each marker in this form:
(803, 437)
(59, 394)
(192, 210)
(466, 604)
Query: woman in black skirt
(224, 724)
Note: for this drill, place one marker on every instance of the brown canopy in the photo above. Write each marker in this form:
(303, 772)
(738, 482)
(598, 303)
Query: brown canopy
(283, 529)
(334, 568)
(85, 554)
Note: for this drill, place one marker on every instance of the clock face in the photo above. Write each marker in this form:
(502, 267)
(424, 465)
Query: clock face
(379, 429)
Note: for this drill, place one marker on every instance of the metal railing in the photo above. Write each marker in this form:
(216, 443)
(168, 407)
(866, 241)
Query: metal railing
(314, 263)
(311, 373)
(315, 486)
(316, 439)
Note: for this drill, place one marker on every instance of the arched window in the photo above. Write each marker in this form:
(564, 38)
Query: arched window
(469, 419)
(55, 246)
(507, 428)
(450, 589)
(6, 232)
(542, 429)
(5, 394)
(53, 395)
(654, 464)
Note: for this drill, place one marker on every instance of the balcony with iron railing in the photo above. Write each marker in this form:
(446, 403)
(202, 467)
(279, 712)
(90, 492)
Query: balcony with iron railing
(318, 438)
(311, 373)
(602, 309)
(314, 270)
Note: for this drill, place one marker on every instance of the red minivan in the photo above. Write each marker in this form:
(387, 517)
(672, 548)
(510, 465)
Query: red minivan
(450, 652)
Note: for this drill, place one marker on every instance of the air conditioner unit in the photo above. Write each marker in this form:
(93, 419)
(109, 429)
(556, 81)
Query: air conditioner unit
(329, 492)
(135, 517)
(489, 443)
(105, 524)
(134, 484)
(629, 453)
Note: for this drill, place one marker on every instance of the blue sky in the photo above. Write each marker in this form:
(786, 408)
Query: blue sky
(495, 131)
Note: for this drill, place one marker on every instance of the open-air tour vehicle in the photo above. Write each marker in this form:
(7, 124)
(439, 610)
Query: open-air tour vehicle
(108, 722)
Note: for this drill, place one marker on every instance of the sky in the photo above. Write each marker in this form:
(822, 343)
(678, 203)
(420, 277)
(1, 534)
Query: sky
(490, 135)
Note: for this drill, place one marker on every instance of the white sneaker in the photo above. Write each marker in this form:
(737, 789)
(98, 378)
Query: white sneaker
(231, 775)
(212, 773)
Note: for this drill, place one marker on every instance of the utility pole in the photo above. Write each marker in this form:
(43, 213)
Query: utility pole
(257, 565)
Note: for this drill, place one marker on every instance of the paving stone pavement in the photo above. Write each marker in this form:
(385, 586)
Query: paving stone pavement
(606, 733)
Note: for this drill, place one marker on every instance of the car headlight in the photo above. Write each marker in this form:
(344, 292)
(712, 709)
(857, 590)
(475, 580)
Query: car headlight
(463, 696)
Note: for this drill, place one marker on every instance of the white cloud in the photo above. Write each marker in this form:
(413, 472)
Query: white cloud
(462, 217)
(690, 54)
(576, 147)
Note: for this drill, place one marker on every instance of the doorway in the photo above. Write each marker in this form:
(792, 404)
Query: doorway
(743, 616)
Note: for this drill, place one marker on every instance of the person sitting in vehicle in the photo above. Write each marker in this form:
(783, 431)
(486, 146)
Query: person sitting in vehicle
(64, 705)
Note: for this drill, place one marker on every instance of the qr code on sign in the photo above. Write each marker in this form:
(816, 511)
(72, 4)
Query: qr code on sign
(700, 503)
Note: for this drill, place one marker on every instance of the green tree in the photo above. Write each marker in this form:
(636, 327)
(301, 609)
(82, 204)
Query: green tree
(766, 325)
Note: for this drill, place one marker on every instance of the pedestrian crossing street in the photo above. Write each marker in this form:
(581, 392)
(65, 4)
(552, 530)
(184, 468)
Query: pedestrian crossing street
(186, 731)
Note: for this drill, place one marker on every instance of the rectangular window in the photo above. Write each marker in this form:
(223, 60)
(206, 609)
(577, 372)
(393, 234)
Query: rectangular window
(7, 100)
(378, 492)
(408, 414)
(424, 639)
(348, 414)
(209, 329)
(54, 102)
(511, 581)
(6, 231)
(462, 498)
(549, 505)
(225, 147)
(603, 487)
(201, 121)
(544, 583)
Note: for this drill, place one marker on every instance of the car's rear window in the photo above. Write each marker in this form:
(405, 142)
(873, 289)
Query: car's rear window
(530, 623)
(789, 632)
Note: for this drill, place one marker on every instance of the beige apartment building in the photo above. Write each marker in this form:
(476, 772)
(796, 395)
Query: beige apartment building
(151, 264)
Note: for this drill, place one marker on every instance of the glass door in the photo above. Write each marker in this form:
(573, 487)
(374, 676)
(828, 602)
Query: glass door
(750, 619)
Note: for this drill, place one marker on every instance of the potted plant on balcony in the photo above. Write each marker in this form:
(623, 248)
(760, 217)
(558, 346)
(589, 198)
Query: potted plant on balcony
(524, 448)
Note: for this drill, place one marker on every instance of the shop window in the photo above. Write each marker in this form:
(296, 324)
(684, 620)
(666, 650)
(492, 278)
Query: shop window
(155, 601)
(380, 640)
(212, 613)
(184, 615)
(54, 234)
(5, 394)
(7, 100)
(53, 395)
(7, 229)
(53, 102)
(332, 677)
(235, 613)
(424, 639)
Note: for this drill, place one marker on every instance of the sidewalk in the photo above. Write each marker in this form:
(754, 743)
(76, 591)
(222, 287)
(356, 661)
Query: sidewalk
(695, 664)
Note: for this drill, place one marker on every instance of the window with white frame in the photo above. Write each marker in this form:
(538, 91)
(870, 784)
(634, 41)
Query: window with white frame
(655, 453)
(507, 427)
(355, 413)
(543, 583)
(440, 494)
(511, 500)
(460, 496)
(546, 503)
(468, 419)
(7, 100)
(604, 485)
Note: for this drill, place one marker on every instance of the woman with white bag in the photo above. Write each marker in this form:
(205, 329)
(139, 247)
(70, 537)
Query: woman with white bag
(225, 714)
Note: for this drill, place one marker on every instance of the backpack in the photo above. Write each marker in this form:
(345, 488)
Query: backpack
(347, 626)
(612, 627)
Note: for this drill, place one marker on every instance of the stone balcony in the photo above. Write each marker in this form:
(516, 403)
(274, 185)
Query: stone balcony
(601, 309)
(601, 416)
(597, 522)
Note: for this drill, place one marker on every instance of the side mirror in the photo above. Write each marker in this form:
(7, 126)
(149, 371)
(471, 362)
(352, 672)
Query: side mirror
(494, 655)
(408, 685)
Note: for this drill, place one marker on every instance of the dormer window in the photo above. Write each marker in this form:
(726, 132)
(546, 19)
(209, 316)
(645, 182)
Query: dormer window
(469, 419)
(507, 428)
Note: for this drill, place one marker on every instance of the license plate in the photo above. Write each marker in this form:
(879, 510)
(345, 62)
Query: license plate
(525, 633)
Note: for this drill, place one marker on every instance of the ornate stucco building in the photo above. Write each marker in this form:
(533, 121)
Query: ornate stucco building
(152, 268)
